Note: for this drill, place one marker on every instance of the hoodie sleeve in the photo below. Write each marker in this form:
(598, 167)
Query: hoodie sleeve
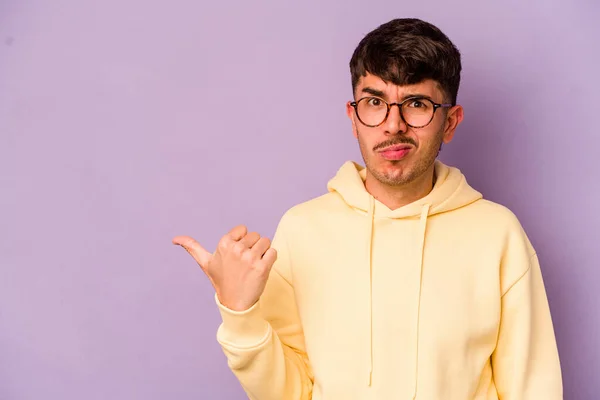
(526, 363)
(264, 345)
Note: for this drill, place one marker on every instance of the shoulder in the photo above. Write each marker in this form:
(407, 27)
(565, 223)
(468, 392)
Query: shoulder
(491, 213)
(502, 223)
(494, 226)
(317, 207)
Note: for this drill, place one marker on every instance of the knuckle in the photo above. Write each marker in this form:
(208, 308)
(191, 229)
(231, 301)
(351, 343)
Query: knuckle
(248, 258)
(223, 244)
(259, 266)
(238, 248)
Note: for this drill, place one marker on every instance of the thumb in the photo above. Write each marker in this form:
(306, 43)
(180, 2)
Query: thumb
(199, 253)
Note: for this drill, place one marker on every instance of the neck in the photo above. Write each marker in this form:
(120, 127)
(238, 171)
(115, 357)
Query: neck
(394, 197)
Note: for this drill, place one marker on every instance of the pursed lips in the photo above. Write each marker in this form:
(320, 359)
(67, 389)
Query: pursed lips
(395, 152)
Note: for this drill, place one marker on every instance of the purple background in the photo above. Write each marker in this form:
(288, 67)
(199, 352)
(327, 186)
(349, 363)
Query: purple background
(126, 122)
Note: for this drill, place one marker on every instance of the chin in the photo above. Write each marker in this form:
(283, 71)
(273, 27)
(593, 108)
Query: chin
(393, 175)
(399, 167)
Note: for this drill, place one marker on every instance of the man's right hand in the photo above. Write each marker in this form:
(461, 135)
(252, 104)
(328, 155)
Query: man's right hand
(239, 268)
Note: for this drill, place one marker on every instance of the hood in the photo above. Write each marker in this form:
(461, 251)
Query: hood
(450, 192)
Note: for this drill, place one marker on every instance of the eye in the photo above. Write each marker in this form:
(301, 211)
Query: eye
(375, 102)
(417, 104)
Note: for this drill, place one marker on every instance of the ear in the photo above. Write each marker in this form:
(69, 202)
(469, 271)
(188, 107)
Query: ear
(453, 119)
(350, 111)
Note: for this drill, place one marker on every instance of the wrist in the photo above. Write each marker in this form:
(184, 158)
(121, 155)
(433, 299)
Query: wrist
(235, 305)
(242, 329)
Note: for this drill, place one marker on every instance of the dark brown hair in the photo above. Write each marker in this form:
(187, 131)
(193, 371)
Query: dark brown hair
(407, 51)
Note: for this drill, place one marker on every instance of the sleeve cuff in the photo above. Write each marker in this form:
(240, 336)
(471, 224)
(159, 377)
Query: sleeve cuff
(242, 329)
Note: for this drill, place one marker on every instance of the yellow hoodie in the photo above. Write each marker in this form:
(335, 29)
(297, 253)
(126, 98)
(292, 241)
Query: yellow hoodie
(441, 299)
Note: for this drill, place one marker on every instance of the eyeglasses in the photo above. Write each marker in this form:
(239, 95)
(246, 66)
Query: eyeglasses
(416, 112)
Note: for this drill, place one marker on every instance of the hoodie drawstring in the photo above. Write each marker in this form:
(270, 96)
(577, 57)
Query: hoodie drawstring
(371, 218)
(422, 234)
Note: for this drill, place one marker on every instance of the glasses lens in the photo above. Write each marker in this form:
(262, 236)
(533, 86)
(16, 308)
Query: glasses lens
(371, 110)
(417, 112)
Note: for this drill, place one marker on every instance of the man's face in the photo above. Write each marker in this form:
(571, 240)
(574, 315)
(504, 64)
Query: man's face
(396, 154)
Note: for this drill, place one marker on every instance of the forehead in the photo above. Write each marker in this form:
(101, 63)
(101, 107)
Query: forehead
(427, 87)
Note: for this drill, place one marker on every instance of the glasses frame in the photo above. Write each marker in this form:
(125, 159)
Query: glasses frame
(390, 105)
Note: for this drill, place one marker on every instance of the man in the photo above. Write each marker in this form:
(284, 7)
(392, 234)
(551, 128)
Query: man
(401, 282)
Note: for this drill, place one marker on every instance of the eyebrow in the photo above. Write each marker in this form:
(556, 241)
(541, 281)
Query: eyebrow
(379, 93)
(373, 92)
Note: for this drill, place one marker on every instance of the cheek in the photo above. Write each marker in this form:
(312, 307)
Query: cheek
(429, 137)
(365, 138)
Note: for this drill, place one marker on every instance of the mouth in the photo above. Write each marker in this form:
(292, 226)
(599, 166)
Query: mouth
(395, 153)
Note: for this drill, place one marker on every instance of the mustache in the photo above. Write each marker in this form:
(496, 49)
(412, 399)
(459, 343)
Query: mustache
(395, 141)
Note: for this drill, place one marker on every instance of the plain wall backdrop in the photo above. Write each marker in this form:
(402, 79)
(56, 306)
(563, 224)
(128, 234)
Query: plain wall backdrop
(126, 122)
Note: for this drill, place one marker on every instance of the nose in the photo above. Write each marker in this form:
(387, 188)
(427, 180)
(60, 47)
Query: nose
(394, 124)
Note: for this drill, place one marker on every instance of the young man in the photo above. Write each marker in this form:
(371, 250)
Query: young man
(401, 282)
